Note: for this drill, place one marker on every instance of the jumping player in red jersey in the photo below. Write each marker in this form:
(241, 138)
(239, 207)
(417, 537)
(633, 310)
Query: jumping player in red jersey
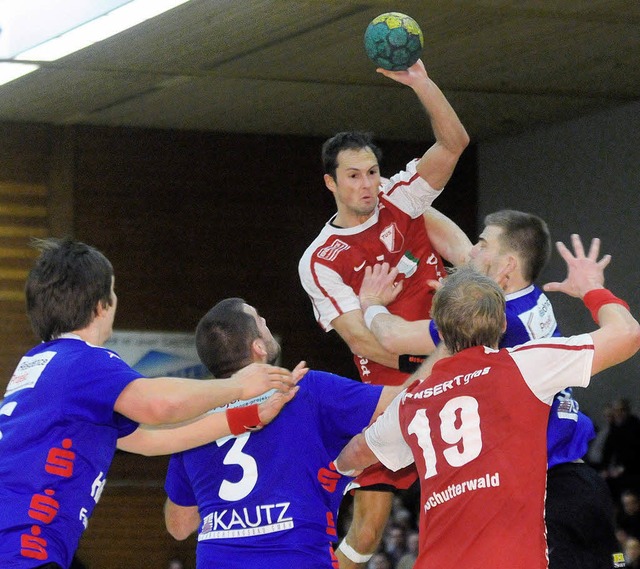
(475, 428)
(377, 223)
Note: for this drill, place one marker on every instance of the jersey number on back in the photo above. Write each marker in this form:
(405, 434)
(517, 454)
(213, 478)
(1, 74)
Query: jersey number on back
(459, 427)
(234, 491)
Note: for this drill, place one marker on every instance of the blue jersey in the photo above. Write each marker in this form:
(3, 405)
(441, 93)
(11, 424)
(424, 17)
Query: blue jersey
(530, 317)
(269, 499)
(58, 434)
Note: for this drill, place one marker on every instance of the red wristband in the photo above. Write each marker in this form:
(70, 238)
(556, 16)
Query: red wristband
(597, 298)
(243, 419)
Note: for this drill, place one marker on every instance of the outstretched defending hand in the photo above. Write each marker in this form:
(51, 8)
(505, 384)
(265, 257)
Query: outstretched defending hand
(269, 409)
(584, 272)
(256, 379)
(379, 286)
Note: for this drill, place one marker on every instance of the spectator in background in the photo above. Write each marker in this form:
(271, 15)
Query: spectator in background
(395, 542)
(621, 454)
(596, 446)
(628, 517)
(409, 558)
(632, 553)
(380, 560)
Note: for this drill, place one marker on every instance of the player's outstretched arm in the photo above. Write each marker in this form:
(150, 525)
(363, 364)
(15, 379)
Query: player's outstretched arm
(438, 163)
(161, 400)
(395, 334)
(160, 440)
(618, 336)
(355, 457)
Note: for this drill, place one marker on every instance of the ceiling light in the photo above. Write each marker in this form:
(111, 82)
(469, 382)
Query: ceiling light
(11, 71)
(99, 29)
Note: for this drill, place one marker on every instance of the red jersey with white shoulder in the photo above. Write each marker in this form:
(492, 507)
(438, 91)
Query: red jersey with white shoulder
(476, 429)
(332, 268)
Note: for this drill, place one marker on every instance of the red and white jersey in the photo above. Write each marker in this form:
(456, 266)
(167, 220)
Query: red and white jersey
(332, 268)
(476, 430)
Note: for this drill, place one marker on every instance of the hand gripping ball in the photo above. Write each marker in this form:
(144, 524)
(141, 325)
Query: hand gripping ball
(393, 41)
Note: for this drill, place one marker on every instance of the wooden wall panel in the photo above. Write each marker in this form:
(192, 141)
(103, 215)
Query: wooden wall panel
(25, 153)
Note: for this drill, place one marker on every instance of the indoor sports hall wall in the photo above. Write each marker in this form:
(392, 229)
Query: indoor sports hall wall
(186, 219)
(582, 177)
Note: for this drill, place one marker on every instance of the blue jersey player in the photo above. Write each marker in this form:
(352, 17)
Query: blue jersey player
(512, 249)
(267, 499)
(70, 403)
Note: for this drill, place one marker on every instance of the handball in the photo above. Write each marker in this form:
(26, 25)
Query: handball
(393, 41)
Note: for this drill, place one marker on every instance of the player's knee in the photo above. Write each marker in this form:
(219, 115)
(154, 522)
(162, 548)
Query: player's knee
(352, 554)
(365, 538)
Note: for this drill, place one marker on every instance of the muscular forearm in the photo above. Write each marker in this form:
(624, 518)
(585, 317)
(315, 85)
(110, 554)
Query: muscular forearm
(618, 338)
(153, 441)
(447, 127)
(165, 400)
(361, 341)
(355, 456)
(173, 400)
(366, 346)
(401, 336)
(451, 136)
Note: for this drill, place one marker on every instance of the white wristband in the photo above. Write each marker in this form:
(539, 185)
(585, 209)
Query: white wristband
(373, 311)
(352, 554)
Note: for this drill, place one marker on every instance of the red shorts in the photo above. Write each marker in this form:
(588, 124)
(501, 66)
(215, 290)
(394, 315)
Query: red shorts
(379, 475)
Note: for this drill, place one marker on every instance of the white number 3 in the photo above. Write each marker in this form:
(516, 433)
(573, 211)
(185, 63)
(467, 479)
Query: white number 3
(465, 438)
(233, 491)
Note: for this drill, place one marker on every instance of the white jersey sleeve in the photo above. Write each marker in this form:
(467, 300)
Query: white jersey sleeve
(549, 365)
(408, 191)
(385, 439)
(329, 294)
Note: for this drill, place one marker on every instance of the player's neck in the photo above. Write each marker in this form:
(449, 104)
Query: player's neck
(515, 284)
(345, 220)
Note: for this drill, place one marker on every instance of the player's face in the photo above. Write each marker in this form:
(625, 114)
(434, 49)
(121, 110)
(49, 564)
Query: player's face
(487, 254)
(356, 185)
(272, 347)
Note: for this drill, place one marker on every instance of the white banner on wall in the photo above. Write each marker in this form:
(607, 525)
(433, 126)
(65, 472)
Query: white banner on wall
(157, 354)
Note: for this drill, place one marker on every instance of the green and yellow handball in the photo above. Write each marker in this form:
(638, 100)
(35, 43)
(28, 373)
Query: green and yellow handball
(393, 41)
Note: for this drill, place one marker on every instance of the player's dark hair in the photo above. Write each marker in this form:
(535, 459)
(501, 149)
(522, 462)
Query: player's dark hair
(65, 285)
(527, 235)
(224, 336)
(346, 141)
(469, 310)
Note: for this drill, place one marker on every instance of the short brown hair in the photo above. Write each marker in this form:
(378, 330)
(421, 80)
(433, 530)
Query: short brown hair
(527, 235)
(469, 310)
(224, 336)
(65, 285)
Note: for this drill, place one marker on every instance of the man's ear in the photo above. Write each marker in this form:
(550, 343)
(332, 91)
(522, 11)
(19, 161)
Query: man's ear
(258, 349)
(100, 309)
(330, 183)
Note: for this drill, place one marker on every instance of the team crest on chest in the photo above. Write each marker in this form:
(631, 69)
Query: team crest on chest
(392, 238)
